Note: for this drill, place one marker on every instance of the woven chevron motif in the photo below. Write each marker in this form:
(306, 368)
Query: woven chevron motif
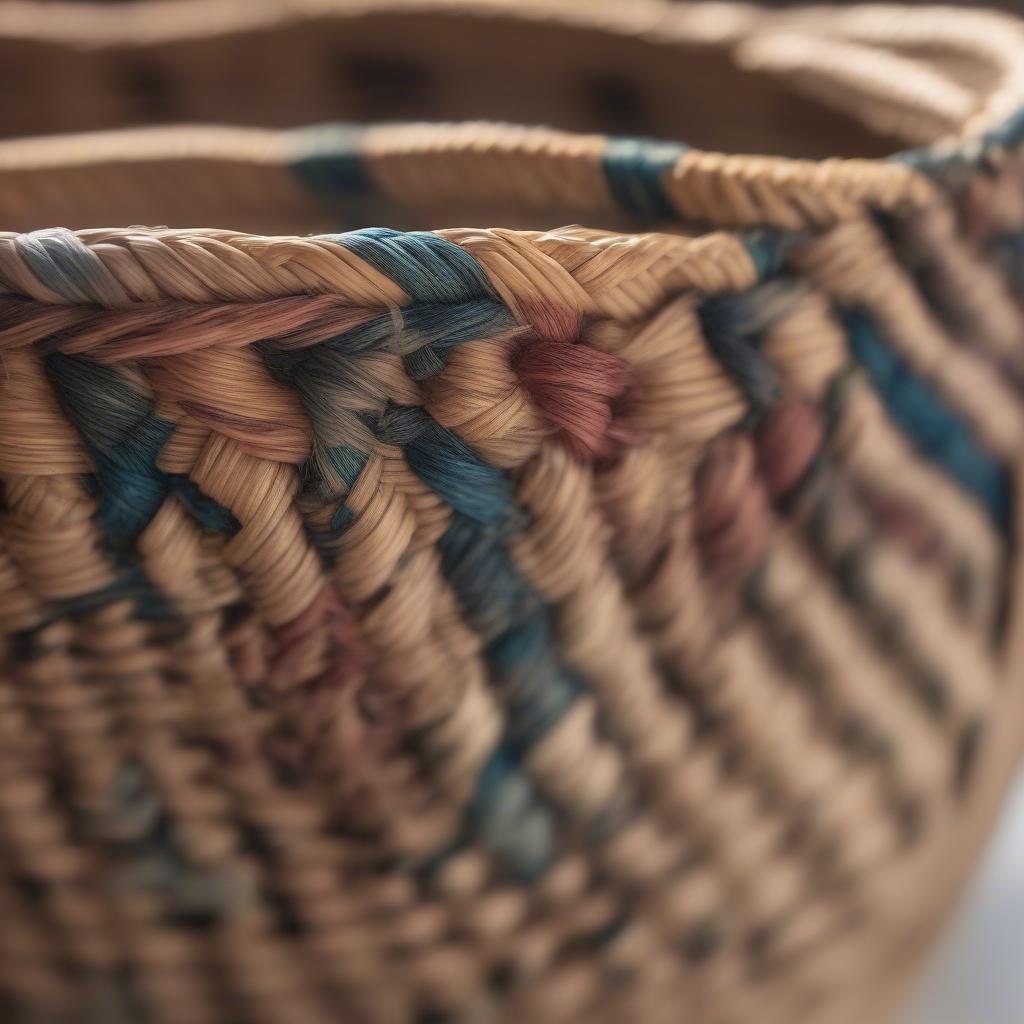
(491, 625)
(665, 575)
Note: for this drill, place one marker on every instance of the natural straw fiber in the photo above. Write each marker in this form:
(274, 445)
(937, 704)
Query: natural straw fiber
(513, 624)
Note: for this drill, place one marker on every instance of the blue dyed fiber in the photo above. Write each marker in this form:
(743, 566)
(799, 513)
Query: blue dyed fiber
(209, 513)
(958, 161)
(462, 322)
(936, 431)
(398, 424)
(426, 267)
(137, 824)
(98, 399)
(452, 302)
(130, 585)
(510, 615)
(537, 690)
(342, 519)
(423, 333)
(1009, 251)
(634, 169)
(124, 438)
(478, 566)
(450, 468)
(132, 489)
(445, 327)
(65, 265)
(769, 249)
(507, 812)
(726, 325)
(1006, 135)
(348, 462)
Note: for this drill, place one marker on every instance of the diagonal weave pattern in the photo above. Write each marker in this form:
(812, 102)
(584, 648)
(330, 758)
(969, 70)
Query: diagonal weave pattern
(508, 625)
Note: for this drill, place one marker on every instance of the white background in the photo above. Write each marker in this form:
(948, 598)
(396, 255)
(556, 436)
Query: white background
(977, 973)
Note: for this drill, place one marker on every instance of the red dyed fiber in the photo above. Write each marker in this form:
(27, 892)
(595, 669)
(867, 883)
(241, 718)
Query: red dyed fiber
(578, 390)
(733, 515)
(787, 442)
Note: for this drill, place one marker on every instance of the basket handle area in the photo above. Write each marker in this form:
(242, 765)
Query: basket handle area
(913, 76)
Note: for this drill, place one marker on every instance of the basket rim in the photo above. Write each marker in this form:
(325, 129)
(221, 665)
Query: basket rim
(119, 267)
(897, 48)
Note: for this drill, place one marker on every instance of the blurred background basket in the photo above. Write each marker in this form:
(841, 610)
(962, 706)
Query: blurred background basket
(520, 623)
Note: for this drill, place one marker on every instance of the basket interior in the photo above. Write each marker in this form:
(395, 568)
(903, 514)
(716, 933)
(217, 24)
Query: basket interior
(370, 68)
(422, 65)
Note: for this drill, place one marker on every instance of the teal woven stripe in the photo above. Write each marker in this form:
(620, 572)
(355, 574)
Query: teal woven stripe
(768, 249)
(936, 431)
(1008, 250)
(501, 607)
(453, 301)
(124, 437)
(731, 324)
(426, 267)
(634, 169)
(68, 267)
(327, 160)
(733, 327)
(130, 584)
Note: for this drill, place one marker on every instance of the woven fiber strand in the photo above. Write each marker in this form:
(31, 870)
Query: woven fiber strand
(508, 624)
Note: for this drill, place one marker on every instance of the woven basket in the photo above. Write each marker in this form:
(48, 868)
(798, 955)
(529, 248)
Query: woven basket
(523, 624)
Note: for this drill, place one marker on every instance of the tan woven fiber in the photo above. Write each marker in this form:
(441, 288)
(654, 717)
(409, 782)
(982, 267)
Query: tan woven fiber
(439, 624)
